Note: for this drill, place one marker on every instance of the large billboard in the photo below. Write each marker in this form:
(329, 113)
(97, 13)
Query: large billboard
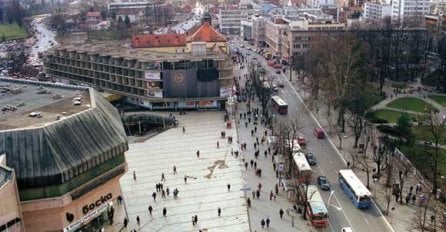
(185, 83)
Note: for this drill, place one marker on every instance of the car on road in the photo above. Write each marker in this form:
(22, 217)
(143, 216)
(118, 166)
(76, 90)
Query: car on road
(242, 46)
(346, 229)
(301, 141)
(274, 88)
(249, 48)
(323, 183)
(280, 84)
(311, 159)
(278, 72)
(319, 133)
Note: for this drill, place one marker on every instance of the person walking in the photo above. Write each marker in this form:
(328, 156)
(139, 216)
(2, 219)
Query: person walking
(267, 222)
(229, 187)
(185, 179)
(137, 220)
(281, 213)
(219, 211)
(193, 220)
(174, 169)
(253, 194)
(218, 144)
(164, 212)
(150, 210)
(154, 196)
(262, 222)
(276, 189)
(134, 175)
(248, 201)
(258, 194)
(407, 199)
(196, 219)
(271, 195)
(259, 186)
(414, 198)
(246, 165)
(184, 129)
(252, 163)
(167, 191)
(255, 165)
(163, 194)
(163, 178)
(198, 154)
(126, 222)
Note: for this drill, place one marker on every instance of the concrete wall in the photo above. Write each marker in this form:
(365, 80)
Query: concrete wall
(9, 206)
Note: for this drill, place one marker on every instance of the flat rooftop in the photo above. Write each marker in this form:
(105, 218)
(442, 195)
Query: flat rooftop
(118, 50)
(19, 99)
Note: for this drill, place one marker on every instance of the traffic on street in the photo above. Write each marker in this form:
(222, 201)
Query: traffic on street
(342, 213)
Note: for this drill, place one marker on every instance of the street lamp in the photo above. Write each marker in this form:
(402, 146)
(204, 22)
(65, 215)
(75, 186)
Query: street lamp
(291, 67)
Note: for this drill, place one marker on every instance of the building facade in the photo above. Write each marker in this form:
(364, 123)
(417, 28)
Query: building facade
(406, 10)
(376, 11)
(229, 19)
(158, 72)
(258, 31)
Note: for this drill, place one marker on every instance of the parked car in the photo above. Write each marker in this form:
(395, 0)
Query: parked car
(323, 183)
(311, 159)
(301, 141)
(280, 84)
(346, 229)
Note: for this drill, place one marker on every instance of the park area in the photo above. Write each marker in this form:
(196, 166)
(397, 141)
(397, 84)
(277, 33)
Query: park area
(12, 31)
(410, 104)
(440, 99)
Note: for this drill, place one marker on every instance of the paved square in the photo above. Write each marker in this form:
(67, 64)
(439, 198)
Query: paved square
(208, 176)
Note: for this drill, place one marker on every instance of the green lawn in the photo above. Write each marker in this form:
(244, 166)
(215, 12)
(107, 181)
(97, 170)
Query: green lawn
(409, 104)
(391, 116)
(398, 85)
(12, 31)
(439, 99)
(373, 96)
(421, 157)
(422, 133)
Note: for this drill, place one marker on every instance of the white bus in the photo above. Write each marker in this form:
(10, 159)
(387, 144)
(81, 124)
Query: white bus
(303, 169)
(355, 189)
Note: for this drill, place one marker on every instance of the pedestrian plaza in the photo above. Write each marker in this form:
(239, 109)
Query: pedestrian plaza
(207, 178)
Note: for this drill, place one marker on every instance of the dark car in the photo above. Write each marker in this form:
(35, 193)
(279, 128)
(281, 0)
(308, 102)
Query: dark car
(311, 159)
(278, 72)
(323, 183)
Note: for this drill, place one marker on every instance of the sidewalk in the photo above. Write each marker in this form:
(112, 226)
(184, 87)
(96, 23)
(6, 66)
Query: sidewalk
(263, 207)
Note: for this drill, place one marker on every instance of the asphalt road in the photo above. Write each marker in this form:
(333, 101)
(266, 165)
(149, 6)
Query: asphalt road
(44, 38)
(342, 212)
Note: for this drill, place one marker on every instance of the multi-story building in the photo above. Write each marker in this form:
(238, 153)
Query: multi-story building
(157, 71)
(246, 29)
(406, 10)
(229, 19)
(258, 31)
(53, 178)
(376, 11)
(288, 32)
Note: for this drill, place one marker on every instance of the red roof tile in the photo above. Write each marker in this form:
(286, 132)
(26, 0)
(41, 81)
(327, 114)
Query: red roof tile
(206, 33)
(164, 40)
(93, 14)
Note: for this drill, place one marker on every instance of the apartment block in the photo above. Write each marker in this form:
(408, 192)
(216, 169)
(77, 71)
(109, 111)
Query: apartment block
(376, 11)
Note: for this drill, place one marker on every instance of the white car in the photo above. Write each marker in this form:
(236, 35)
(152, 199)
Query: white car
(346, 229)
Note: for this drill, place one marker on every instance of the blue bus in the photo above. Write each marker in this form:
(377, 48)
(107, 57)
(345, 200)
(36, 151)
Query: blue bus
(355, 189)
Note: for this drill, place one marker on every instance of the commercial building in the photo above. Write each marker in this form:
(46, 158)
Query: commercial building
(289, 32)
(170, 71)
(63, 156)
(229, 19)
(258, 31)
(376, 11)
(407, 10)
(246, 29)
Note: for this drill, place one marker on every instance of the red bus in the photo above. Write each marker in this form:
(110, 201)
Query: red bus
(279, 105)
(317, 212)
